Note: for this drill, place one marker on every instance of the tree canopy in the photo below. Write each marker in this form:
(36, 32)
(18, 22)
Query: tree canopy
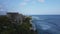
(7, 27)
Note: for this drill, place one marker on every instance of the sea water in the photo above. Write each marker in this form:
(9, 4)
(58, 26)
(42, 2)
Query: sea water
(46, 24)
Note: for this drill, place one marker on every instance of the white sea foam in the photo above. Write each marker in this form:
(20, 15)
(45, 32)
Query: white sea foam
(36, 18)
(45, 27)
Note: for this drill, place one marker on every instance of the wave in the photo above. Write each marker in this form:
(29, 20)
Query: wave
(36, 18)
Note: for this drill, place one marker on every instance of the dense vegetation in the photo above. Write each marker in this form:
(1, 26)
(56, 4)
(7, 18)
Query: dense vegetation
(7, 27)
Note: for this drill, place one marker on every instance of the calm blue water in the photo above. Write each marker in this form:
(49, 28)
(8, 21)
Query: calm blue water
(46, 24)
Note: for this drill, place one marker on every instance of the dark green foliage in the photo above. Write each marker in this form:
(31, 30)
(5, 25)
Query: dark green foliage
(7, 27)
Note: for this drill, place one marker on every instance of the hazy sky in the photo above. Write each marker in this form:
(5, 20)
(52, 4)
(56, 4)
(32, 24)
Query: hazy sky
(30, 7)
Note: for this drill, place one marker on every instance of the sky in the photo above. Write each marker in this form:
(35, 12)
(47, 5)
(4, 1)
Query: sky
(31, 7)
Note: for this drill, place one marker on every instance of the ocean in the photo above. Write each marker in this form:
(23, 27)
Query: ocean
(46, 24)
